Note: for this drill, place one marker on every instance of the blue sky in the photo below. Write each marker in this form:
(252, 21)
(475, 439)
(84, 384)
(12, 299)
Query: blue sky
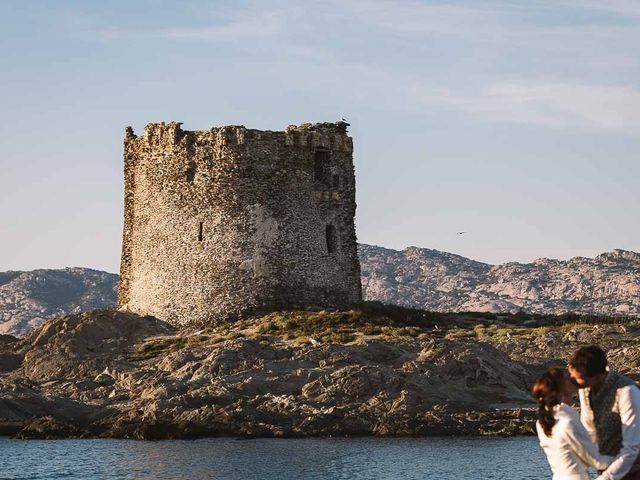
(518, 122)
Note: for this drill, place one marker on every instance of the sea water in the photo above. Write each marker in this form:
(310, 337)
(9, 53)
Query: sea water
(516, 458)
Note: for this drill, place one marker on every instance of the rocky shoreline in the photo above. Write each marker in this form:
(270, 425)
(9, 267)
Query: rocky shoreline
(382, 371)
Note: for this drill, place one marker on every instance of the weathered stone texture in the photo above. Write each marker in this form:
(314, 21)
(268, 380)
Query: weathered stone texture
(230, 221)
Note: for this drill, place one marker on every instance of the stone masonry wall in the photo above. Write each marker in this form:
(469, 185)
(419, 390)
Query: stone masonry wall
(230, 221)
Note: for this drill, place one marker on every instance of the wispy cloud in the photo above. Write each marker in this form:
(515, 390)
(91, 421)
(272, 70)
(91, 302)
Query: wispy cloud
(500, 22)
(254, 26)
(620, 7)
(410, 17)
(569, 70)
(612, 108)
(264, 24)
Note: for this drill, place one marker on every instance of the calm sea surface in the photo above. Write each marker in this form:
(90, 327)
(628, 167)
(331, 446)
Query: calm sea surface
(516, 458)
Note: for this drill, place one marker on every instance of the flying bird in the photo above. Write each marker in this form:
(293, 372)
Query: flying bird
(460, 233)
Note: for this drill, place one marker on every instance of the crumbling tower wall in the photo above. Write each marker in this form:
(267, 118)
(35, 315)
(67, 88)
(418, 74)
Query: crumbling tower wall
(229, 221)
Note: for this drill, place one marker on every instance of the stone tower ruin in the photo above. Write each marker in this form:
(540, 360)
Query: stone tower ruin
(230, 221)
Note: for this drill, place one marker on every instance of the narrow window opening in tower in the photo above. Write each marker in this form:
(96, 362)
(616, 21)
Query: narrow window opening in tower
(321, 165)
(336, 182)
(332, 240)
(200, 232)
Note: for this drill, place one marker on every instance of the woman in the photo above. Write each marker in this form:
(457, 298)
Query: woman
(563, 438)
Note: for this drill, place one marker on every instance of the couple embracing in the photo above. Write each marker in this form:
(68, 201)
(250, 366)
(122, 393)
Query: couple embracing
(606, 433)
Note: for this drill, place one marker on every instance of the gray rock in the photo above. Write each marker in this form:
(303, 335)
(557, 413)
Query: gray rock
(27, 299)
(608, 284)
(110, 374)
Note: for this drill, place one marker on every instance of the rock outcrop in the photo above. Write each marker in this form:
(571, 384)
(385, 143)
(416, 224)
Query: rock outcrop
(379, 371)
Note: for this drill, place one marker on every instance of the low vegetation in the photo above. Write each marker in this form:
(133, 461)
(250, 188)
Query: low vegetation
(386, 322)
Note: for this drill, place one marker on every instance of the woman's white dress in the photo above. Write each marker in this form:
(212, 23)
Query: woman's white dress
(569, 449)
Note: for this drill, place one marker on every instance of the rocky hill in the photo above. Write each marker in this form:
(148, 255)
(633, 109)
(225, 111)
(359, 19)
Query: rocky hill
(28, 298)
(608, 284)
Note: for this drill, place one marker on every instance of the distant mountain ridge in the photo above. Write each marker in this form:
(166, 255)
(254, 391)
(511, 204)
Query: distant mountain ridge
(28, 298)
(414, 277)
(424, 278)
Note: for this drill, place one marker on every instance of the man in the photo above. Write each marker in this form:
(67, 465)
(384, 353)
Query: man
(610, 411)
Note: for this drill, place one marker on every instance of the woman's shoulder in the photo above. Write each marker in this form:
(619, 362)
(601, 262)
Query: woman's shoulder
(566, 417)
